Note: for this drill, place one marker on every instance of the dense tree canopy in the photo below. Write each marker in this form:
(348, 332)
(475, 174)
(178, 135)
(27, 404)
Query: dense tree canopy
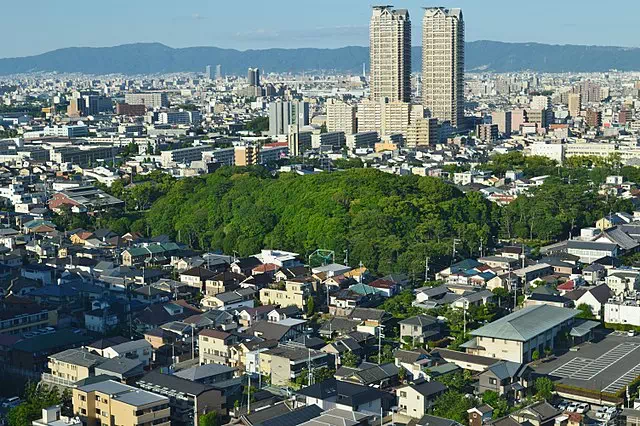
(387, 222)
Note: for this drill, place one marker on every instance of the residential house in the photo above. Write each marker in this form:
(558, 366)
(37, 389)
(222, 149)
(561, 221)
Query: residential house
(295, 292)
(223, 282)
(623, 281)
(231, 300)
(197, 277)
(415, 400)
(535, 299)
(214, 346)
(70, 366)
(134, 349)
(285, 363)
(594, 273)
(369, 374)
(506, 378)
(249, 316)
(595, 297)
(349, 397)
(419, 329)
(245, 265)
(279, 314)
(540, 413)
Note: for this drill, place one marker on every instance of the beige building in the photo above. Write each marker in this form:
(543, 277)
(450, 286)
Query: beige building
(369, 115)
(215, 346)
(423, 132)
(113, 403)
(294, 293)
(285, 363)
(341, 117)
(388, 117)
(575, 104)
(70, 366)
(503, 120)
(443, 64)
(390, 50)
(416, 400)
(247, 155)
(518, 335)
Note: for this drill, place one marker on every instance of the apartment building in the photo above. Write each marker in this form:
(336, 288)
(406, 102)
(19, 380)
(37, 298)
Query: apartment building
(328, 141)
(19, 315)
(443, 64)
(183, 155)
(188, 400)
(624, 312)
(341, 117)
(287, 362)
(518, 335)
(150, 100)
(215, 346)
(390, 54)
(422, 132)
(295, 292)
(113, 403)
(362, 140)
(503, 120)
(70, 366)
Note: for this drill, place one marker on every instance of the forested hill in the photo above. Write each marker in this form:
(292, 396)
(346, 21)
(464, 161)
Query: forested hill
(150, 58)
(387, 222)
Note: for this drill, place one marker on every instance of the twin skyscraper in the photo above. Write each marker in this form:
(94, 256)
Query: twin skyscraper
(442, 60)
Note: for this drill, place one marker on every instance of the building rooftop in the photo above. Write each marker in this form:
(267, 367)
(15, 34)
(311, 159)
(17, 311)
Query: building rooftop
(526, 323)
(125, 393)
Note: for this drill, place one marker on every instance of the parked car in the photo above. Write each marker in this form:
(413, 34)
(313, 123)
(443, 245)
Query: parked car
(631, 333)
(583, 408)
(562, 406)
(14, 401)
(572, 407)
(601, 413)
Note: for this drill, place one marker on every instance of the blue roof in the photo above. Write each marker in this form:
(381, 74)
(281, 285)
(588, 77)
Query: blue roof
(465, 265)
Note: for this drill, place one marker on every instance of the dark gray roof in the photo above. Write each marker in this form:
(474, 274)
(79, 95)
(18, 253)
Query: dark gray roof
(120, 366)
(429, 389)
(589, 245)
(203, 371)
(295, 417)
(428, 420)
(173, 383)
(350, 394)
(420, 320)
(506, 369)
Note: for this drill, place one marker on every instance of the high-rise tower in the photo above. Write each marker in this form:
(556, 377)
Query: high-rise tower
(390, 47)
(443, 64)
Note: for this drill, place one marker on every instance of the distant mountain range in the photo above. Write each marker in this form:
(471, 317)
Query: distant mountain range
(149, 58)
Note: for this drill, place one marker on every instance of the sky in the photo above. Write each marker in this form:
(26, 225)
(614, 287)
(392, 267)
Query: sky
(259, 24)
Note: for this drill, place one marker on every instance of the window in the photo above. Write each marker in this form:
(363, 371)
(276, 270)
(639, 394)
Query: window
(403, 394)
(83, 398)
(98, 398)
(83, 411)
(493, 381)
(98, 411)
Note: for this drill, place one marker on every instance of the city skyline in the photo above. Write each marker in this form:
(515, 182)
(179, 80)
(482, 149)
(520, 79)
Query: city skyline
(254, 25)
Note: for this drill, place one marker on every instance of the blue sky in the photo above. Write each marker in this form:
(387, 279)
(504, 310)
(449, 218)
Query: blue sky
(45, 25)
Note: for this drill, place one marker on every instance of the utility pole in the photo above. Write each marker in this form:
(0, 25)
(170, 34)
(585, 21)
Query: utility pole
(309, 367)
(426, 270)
(193, 345)
(464, 319)
(249, 394)
(379, 345)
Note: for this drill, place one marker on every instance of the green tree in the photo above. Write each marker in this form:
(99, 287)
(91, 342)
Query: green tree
(322, 374)
(209, 419)
(585, 311)
(499, 404)
(35, 399)
(350, 359)
(311, 306)
(535, 355)
(453, 405)
(544, 388)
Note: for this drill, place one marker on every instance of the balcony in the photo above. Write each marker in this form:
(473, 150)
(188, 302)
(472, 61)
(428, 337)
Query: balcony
(152, 416)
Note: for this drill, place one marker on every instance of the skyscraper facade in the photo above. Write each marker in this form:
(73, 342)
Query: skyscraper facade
(443, 64)
(390, 47)
(253, 77)
(208, 72)
(218, 72)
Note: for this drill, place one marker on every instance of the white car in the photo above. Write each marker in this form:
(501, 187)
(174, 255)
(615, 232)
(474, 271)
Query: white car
(572, 407)
(582, 408)
(631, 333)
(601, 413)
(563, 405)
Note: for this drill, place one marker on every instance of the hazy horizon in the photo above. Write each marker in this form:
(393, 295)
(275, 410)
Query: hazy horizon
(248, 24)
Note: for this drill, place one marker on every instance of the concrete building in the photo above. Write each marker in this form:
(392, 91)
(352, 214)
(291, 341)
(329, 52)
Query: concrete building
(390, 51)
(503, 120)
(52, 416)
(253, 77)
(215, 346)
(575, 104)
(487, 132)
(362, 140)
(423, 132)
(443, 64)
(287, 362)
(150, 100)
(247, 155)
(188, 400)
(298, 142)
(65, 131)
(341, 117)
(625, 312)
(283, 114)
(518, 335)
(179, 117)
(114, 403)
(594, 118)
(183, 155)
(295, 293)
(369, 115)
(328, 141)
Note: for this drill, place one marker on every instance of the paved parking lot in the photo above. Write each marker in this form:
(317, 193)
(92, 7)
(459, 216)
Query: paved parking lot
(608, 365)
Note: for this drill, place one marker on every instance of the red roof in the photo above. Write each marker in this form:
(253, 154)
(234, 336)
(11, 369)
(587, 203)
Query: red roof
(568, 286)
(267, 267)
(380, 283)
